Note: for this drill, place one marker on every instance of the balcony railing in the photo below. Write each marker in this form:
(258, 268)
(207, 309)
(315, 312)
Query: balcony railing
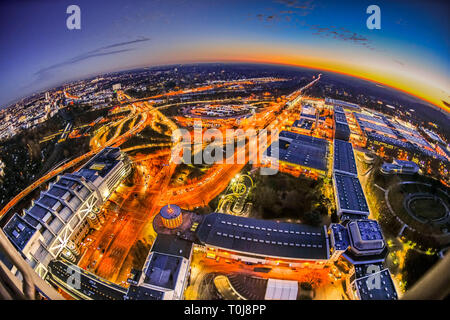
(31, 287)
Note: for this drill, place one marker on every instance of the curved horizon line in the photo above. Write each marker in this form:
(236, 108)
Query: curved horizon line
(445, 109)
(258, 61)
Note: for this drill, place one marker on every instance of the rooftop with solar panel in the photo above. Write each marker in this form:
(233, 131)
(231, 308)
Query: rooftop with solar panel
(366, 242)
(344, 158)
(350, 196)
(264, 237)
(101, 164)
(376, 286)
(340, 118)
(339, 237)
(302, 150)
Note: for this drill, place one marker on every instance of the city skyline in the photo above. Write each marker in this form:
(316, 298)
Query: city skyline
(43, 53)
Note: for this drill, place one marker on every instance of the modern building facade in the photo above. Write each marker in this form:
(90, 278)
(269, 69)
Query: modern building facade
(60, 218)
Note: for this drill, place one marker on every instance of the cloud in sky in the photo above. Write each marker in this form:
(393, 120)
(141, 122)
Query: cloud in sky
(302, 8)
(295, 8)
(341, 34)
(45, 73)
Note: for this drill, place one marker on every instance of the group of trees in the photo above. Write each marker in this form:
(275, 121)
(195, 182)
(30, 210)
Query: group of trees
(284, 196)
(416, 265)
(139, 253)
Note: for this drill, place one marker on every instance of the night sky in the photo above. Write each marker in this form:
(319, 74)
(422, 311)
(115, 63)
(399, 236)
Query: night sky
(410, 52)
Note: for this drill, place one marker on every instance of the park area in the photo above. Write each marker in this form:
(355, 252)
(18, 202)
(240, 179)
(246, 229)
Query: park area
(283, 196)
(421, 206)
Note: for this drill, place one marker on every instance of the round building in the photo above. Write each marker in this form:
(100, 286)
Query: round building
(171, 216)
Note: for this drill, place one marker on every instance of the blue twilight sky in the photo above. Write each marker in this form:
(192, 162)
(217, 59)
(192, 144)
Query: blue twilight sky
(411, 51)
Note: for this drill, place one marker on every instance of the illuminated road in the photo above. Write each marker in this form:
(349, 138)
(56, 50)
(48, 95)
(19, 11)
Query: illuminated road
(144, 108)
(202, 266)
(135, 208)
(113, 142)
(218, 176)
(108, 253)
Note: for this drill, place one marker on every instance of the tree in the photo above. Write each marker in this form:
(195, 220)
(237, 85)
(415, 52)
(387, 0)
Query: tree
(313, 218)
(334, 217)
(416, 265)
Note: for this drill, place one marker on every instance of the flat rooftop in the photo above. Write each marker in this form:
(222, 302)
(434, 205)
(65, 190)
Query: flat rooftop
(369, 230)
(264, 237)
(173, 245)
(101, 164)
(403, 128)
(386, 291)
(388, 140)
(304, 123)
(371, 118)
(341, 238)
(350, 193)
(340, 117)
(300, 149)
(344, 158)
(342, 127)
(170, 212)
(19, 231)
(433, 135)
(338, 109)
(362, 270)
(341, 103)
(380, 128)
(415, 139)
(162, 270)
(365, 235)
(407, 146)
(405, 163)
(144, 293)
